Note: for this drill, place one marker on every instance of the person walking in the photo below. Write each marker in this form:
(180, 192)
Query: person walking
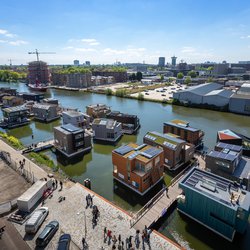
(119, 239)
(87, 200)
(109, 235)
(61, 185)
(104, 232)
(114, 240)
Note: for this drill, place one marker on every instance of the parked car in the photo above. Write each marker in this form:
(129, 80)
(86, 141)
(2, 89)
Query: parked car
(36, 220)
(163, 95)
(64, 242)
(146, 93)
(47, 234)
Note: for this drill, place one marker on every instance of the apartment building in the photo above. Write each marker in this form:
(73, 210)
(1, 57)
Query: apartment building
(139, 167)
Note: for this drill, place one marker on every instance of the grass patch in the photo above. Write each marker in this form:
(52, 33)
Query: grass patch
(11, 140)
(43, 160)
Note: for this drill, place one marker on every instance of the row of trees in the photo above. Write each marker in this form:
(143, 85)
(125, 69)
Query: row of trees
(136, 77)
(11, 76)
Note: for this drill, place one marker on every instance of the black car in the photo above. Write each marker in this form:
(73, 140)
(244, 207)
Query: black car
(64, 242)
(47, 233)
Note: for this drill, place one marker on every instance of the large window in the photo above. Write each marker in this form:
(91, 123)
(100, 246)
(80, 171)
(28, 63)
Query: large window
(148, 167)
(222, 164)
(140, 166)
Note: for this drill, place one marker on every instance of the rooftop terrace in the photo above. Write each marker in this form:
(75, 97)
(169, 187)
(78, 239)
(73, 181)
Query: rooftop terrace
(166, 140)
(142, 152)
(181, 124)
(217, 188)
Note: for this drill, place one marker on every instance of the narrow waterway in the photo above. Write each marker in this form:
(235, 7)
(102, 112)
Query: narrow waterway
(97, 165)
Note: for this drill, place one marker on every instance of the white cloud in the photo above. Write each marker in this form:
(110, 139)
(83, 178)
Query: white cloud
(6, 33)
(88, 40)
(245, 37)
(3, 41)
(187, 49)
(94, 43)
(68, 47)
(85, 49)
(17, 42)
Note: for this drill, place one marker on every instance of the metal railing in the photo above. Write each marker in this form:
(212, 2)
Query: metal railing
(136, 217)
(23, 171)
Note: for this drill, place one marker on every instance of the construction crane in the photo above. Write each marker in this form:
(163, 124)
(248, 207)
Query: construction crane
(37, 53)
(10, 62)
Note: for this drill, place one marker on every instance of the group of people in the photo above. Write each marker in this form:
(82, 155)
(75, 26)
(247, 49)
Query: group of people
(21, 164)
(107, 234)
(55, 184)
(96, 214)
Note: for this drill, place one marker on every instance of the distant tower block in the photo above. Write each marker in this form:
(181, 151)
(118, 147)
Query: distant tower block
(161, 62)
(174, 60)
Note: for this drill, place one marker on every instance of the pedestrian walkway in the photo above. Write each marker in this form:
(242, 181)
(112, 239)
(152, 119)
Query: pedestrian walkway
(74, 218)
(16, 156)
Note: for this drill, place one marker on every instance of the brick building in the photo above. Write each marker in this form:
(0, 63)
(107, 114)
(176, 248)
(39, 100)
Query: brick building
(176, 151)
(138, 167)
(184, 131)
(118, 76)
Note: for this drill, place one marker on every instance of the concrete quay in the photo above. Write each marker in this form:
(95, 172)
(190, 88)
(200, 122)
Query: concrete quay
(76, 219)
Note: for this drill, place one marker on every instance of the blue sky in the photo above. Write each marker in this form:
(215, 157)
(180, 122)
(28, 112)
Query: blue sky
(105, 31)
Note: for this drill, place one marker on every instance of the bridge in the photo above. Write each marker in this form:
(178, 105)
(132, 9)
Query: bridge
(158, 205)
(39, 146)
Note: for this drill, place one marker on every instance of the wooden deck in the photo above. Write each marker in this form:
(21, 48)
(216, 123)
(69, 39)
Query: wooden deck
(156, 208)
(158, 205)
(39, 146)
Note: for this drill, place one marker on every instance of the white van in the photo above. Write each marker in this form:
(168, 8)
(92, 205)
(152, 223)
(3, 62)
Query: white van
(36, 220)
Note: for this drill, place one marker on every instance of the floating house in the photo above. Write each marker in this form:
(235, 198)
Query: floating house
(176, 151)
(139, 167)
(11, 101)
(130, 123)
(45, 112)
(227, 161)
(97, 110)
(76, 118)
(14, 117)
(31, 96)
(184, 131)
(214, 202)
(71, 140)
(106, 130)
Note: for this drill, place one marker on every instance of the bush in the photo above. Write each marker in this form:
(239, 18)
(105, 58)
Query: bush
(42, 159)
(108, 91)
(140, 97)
(121, 92)
(13, 141)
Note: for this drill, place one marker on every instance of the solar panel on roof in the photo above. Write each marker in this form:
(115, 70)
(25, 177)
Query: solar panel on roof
(123, 150)
(70, 128)
(146, 155)
(152, 151)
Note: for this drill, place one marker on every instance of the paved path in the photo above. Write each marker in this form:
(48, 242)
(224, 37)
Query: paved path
(11, 239)
(17, 156)
(74, 218)
(158, 207)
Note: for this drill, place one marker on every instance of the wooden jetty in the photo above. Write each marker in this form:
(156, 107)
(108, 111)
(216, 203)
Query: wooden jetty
(158, 205)
(40, 146)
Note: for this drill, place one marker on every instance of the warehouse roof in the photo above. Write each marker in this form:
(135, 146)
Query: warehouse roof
(202, 89)
(220, 92)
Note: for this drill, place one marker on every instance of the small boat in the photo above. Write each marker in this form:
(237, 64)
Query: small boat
(38, 87)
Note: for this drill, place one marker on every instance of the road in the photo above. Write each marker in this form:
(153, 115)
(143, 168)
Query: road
(11, 239)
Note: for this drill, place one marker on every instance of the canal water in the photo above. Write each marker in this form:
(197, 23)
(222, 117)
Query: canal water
(97, 165)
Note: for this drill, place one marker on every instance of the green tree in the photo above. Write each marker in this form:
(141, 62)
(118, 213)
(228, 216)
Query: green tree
(108, 91)
(161, 77)
(188, 80)
(180, 75)
(140, 97)
(132, 77)
(192, 74)
(139, 76)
